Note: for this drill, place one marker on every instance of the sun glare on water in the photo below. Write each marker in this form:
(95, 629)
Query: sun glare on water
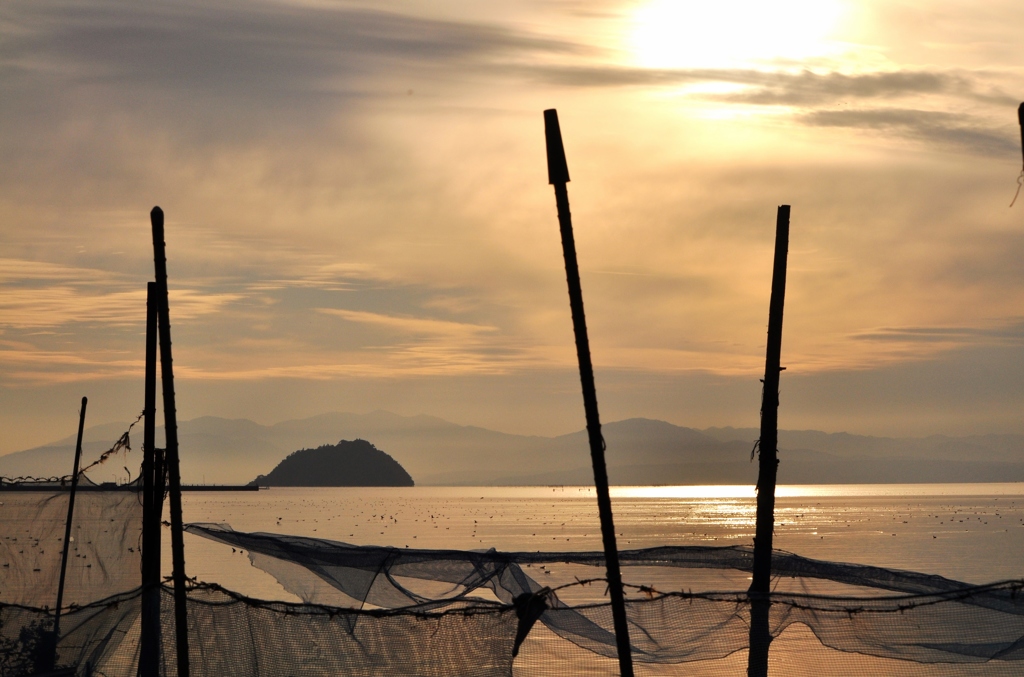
(730, 33)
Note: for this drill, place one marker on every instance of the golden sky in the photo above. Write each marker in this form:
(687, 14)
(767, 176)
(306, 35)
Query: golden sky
(358, 214)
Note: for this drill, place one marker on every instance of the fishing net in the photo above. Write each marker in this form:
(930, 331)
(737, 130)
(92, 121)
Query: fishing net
(388, 611)
(230, 634)
(822, 613)
(104, 558)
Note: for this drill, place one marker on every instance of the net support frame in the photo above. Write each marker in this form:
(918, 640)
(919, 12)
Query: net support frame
(768, 447)
(67, 529)
(171, 451)
(149, 652)
(558, 176)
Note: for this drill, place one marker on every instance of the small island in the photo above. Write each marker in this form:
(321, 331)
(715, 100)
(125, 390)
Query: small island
(355, 463)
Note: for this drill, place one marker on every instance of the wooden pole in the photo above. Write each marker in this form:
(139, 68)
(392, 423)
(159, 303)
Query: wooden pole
(760, 588)
(171, 451)
(67, 529)
(558, 176)
(1020, 119)
(1020, 177)
(149, 654)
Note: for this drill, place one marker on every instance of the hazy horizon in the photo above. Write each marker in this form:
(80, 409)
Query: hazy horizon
(358, 215)
(119, 427)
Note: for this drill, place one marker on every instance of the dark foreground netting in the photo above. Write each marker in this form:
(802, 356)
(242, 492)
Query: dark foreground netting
(104, 558)
(899, 616)
(403, 612)
(695, 634)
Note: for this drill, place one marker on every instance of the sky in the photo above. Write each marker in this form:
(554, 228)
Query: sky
(358, 215)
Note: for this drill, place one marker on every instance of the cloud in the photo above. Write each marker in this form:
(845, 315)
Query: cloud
(1006, 334)
(931, 127)
(782, 87)
(40, 295)
(56, 306)
(28, 365)
(814, 96)
(410, 325)
(231, 49)
(233, 52)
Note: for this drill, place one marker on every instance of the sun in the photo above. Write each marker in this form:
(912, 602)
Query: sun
(732, 33)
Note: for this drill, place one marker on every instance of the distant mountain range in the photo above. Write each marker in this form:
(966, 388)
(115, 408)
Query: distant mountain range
(640, 451)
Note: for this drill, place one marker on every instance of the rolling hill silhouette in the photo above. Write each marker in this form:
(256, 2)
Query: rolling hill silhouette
(355, 463)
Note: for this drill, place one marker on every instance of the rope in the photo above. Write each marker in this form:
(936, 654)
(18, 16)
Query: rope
(123, 443)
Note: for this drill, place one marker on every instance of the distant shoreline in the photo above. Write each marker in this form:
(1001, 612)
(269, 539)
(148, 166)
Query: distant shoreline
(707, 491)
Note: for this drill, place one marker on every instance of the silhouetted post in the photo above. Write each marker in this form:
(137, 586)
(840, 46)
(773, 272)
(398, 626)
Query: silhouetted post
(558, 176)
(760, 603)
(149, 653)
(1020, 177)
(171, 451)
(67, 529)
(1020, 119)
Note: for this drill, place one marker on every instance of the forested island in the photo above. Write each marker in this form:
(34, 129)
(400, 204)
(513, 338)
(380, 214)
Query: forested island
(355, 463)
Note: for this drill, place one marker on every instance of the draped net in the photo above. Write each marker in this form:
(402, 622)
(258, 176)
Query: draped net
(369, 610)
(104, 558)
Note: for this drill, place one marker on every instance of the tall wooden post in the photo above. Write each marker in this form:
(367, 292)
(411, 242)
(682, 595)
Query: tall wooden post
(1020, 119)
(760, 588)
(67, 529)
(1020, 177)
(149, 654)
(171, 452)
(558, 176)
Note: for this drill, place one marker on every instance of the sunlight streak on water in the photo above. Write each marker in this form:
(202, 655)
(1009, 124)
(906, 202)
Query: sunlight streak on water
(969, 532)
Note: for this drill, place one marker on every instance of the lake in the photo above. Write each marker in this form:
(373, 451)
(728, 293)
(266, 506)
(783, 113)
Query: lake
(969, 532)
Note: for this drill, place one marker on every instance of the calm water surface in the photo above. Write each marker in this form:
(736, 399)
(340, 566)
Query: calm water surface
(969, 532)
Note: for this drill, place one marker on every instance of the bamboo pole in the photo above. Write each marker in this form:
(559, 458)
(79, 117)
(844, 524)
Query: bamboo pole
(67, 529)
(768, 444)
(171, 451)
(1020, 119)
(558, 176)
(1020, 177)
(149, 654)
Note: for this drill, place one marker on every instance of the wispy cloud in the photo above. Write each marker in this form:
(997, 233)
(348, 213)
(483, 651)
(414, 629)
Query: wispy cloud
(27, 365)
(40, 295)
(58, 306)
(1005, 334)
(229, 48)
(933, 127)
(784, 87)
(410, 325)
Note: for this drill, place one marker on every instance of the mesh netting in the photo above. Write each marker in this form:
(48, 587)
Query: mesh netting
(233, 635)
(884, 613)
(104, 558)
(388, 611)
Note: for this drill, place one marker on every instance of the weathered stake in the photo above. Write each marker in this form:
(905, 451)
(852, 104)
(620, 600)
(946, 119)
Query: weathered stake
(1020, 119)
(67, 529)
(1020, 177)
(558, 176)
(760, 602)
(171, 452)
(149, 654)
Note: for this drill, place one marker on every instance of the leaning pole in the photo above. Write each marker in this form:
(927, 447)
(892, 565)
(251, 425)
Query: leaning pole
(768, 445)
(171, 452)
(558, 176)
(67, 529)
